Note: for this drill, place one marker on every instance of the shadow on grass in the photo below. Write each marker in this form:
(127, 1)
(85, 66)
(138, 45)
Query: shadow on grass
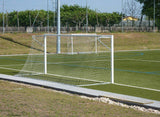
(16, 42)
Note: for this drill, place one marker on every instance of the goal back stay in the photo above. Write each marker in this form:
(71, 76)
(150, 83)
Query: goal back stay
(82, 57)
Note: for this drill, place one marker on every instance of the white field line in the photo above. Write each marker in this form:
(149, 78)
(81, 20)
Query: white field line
(9, 69)
(109, 60)
(137, 87)
(16, 55)
(58, 62)
(70, 77)
(121, 85)
(86, 79)
(135, 50)
(82, 61)
(63, 53)
(19, 55)
(77, 78)
(54, 53)
(139, 60)
(12, 65)
(103, 83)
(89, 61)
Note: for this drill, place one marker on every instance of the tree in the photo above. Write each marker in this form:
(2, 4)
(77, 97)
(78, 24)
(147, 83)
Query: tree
(70, 16)
(148, 10)
(74, 15)
(133, 9)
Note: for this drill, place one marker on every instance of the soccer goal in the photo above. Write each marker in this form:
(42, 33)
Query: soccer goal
(82, 59)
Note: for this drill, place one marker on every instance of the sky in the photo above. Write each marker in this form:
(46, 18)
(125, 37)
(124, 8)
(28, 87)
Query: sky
(98, 5)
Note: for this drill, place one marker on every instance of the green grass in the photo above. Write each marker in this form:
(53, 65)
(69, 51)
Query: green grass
(136, 68)
(143, 70)
(154, 95)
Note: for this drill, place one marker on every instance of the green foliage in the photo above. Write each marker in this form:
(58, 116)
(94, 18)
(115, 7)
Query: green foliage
(70, 16)
(148, 9)
(73, 15)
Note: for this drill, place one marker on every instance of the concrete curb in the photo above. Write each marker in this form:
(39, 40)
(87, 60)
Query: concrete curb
(131, 100)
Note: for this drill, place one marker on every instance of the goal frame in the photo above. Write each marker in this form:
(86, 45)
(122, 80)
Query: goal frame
(81, 35)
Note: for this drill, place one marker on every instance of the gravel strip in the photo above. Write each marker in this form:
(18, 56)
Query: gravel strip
(109, 101)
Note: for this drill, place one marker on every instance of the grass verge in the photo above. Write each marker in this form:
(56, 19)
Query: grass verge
(28, 101)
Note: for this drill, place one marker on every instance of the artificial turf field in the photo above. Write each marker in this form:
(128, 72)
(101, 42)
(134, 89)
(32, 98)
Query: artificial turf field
(133, 68)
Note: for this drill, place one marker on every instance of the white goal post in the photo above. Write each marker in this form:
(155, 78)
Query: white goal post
(97, 38)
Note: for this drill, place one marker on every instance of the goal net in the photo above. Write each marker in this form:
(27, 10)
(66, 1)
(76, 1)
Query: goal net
(84, 59)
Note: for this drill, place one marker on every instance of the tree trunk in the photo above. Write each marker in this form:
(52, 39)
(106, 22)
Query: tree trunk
(140, 24)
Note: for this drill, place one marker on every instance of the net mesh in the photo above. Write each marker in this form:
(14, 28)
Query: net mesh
(84, 59)
(35, 61)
